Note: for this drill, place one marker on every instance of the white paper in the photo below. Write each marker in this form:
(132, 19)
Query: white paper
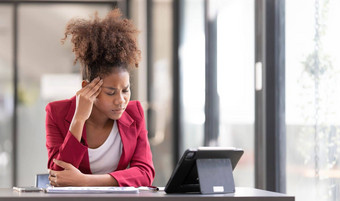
(101, 189)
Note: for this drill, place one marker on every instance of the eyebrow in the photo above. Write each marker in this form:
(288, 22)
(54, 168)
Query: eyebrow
(114, 88)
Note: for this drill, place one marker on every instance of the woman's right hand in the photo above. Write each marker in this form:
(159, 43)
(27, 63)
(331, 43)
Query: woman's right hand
(85, 98)
(84, 104)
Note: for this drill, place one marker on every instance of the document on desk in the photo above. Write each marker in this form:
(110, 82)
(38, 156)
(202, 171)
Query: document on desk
(101, 189)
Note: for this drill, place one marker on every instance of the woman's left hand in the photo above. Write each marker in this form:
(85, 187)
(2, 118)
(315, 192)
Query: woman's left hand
(70, 176)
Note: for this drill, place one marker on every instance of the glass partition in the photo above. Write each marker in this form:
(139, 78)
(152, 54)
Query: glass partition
(6, 94)
(161, 135)
(192, 71)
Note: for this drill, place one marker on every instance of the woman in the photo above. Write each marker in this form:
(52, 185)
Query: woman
(98, 137)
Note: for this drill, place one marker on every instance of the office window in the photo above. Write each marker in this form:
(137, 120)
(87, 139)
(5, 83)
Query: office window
(6, 94)
(160, 105)
(235, 81)
(192, 74)
(312, 99)
(45, 73)
(235, 78)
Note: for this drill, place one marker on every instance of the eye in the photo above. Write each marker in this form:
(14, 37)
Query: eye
(110, 93)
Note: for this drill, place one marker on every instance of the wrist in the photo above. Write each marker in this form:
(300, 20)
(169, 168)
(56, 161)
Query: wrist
(86, 180)
(78, 121)
(78, 118)
(98, 180)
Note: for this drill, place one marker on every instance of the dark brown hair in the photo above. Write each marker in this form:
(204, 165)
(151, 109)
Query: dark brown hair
(103, 45)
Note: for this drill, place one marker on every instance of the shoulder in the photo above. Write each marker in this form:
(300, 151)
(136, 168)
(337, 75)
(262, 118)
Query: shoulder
(135, 110)
(60, 103)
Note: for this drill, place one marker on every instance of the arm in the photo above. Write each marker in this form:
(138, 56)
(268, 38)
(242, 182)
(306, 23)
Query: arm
(61, 146)
(68, 147)
(141, 171)
(71, 150)
(85, 99)
(71, 176)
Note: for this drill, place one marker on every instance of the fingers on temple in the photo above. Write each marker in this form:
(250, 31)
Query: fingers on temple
(96, 93)
(93, 87)
(97, 87)
(90, 85)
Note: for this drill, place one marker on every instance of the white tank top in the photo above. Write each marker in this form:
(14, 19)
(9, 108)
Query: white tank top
(105, 158)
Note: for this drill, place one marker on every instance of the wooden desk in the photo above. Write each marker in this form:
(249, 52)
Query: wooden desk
(244, 194)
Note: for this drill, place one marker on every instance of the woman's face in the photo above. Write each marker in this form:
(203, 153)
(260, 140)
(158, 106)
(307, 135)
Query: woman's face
(115, 95)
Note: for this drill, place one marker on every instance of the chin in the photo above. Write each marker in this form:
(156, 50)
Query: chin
(115, 117)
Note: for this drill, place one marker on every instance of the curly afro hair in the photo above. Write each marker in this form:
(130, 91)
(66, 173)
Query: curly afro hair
(102, 45)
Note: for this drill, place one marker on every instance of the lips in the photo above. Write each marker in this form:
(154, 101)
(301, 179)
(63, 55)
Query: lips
(118, 111)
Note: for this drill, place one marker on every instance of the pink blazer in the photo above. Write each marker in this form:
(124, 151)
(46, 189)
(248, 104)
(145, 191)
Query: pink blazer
(135, 167)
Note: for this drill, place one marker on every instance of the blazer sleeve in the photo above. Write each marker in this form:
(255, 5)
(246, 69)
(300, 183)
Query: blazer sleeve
(61, 145)
(141, 171)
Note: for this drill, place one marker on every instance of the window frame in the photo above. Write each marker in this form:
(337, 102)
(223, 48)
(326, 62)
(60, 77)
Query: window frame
(270, 127)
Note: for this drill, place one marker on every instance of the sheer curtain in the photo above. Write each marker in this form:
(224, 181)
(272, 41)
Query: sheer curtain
(312, 99)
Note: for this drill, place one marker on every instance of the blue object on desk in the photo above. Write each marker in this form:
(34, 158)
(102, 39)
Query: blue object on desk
(41, 180)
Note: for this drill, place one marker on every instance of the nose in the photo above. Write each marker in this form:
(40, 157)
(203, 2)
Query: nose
(120, 99)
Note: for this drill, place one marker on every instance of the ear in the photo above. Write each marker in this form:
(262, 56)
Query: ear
(84, 83)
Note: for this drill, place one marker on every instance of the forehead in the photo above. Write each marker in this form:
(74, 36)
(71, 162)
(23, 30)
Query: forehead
(116, 79)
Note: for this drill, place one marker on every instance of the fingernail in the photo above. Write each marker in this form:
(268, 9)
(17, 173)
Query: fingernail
(54, 160)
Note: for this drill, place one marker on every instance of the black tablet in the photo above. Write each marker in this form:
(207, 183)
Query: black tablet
(185, 177)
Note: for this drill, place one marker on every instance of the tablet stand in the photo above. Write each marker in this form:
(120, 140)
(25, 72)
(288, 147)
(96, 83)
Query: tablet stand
(215, 176)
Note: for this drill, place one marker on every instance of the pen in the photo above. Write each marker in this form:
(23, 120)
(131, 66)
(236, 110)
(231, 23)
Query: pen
(148, 188)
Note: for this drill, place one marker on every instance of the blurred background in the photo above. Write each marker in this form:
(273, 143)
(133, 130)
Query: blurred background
(261, 75)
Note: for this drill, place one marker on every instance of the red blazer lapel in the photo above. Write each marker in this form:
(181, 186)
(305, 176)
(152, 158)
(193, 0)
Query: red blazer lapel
(127, 132)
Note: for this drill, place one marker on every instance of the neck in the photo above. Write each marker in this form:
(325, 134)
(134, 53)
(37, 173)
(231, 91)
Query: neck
(98, 120)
